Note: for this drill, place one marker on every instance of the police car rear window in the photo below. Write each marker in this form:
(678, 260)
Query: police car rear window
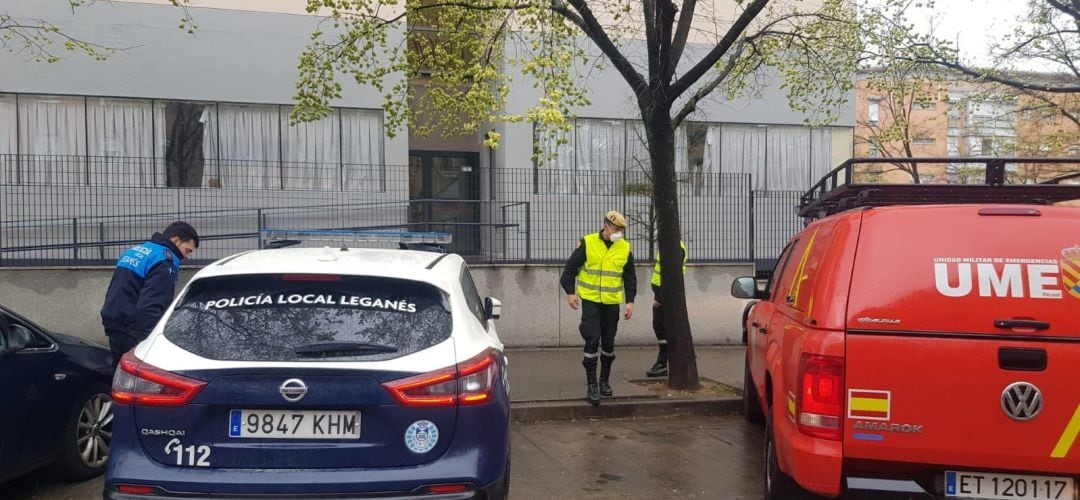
(291, 317)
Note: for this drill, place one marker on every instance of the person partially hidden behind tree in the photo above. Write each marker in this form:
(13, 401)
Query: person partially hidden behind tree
(600, 273)
(660, 368)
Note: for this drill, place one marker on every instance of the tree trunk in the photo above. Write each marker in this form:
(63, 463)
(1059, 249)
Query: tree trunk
(682, 361)
(184, 151)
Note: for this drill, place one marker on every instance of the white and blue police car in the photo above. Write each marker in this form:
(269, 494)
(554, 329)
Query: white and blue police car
(317, 372)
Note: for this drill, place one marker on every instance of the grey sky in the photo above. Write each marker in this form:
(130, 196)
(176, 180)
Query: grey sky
(974, 24)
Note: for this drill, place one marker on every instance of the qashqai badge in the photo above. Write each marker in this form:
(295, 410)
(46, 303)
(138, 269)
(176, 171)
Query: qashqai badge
(1021, 401)
(293, 390)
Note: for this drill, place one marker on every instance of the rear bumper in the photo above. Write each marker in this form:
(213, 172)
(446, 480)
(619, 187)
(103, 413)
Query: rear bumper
(164, 495)
(389, 483)
(492, 491)
(816, 464)
(478, 456)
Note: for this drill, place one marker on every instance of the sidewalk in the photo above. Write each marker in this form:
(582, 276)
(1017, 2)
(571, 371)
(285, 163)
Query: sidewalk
(549, 384)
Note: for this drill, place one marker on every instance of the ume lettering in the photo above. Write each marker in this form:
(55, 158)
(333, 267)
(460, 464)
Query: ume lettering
(1036, 281)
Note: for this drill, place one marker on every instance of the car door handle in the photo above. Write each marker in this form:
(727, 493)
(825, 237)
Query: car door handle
(1021, 323)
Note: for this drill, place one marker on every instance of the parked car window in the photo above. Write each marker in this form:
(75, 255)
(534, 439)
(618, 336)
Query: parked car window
(472, 296)
(21, 334)
(305, 317)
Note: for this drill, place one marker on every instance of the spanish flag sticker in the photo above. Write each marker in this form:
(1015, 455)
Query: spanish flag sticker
(868, 404)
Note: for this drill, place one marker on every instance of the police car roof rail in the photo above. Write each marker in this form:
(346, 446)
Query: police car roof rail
(855, 184)
(412, 240)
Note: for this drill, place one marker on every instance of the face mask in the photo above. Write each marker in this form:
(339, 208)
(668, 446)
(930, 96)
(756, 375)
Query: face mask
(616, 236)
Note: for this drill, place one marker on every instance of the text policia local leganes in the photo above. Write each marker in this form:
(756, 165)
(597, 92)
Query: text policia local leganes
(311, 299)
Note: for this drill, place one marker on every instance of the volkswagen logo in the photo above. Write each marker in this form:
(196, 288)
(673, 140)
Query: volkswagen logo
(293, 390)
(1021, 401)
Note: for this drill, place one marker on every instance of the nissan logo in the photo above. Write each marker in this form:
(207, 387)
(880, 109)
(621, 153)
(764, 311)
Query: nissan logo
(293, 390)
(1021, 401)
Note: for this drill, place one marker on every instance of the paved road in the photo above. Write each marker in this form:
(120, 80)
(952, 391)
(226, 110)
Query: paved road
(678, 457)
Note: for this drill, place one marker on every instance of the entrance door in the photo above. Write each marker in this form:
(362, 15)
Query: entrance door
(444, 189)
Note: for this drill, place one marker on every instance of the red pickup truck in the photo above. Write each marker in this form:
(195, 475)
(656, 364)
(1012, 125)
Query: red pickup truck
(921, 340)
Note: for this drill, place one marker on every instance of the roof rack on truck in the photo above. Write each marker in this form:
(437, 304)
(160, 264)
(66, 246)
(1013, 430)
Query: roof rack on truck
(864, 182)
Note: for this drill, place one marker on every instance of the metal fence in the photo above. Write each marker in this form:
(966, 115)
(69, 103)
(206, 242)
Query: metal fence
(85, 211)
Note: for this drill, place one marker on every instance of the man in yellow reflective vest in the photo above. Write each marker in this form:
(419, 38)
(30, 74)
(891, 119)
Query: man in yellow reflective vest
(600, 273)
(660, 369)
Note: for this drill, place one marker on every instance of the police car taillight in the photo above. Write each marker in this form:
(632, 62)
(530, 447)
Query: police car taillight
(471, 382)
(820, 403)
(478, 378)
(141, 384)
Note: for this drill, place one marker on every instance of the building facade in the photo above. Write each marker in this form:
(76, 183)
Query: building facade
(95, 154)
(953, 118)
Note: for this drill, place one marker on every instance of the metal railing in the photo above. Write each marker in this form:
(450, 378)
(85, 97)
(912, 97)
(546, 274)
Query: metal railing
(69, 214)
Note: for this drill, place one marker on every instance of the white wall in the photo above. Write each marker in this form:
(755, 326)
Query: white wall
(534, 307)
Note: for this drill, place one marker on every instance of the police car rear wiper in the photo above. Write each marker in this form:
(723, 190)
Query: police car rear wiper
(325, 349)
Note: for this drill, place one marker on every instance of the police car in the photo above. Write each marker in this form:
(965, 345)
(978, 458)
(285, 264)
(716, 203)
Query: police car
(326, 372)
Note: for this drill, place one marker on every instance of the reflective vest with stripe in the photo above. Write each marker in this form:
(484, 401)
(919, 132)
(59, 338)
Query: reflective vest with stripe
(600, 279)
(656, 268)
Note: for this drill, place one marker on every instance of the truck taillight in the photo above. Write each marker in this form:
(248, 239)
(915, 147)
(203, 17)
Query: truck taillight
(470, 382)
(820, 403)
(141, 384)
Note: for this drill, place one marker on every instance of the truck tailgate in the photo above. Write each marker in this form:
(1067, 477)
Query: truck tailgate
(958, 407)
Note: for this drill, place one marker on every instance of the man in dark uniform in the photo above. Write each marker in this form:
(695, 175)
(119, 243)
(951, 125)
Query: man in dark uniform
(600, 273)
(143, 285)
(660, 368)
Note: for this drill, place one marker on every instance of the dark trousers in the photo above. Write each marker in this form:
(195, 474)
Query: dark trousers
(658, 330)
(599, 323)
(120, 342)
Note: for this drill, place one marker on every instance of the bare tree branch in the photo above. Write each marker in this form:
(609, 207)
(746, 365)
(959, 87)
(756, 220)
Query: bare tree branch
(652, 39)
(596, 33)
(1072, 10)
(682, 32)
(998, 77)
(709, 87)
(665, 20)
(734, 32)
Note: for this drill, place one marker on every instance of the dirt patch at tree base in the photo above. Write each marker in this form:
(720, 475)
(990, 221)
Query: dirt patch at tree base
(709, 389)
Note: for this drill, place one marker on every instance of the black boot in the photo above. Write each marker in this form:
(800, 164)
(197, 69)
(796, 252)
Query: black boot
(592, 394)
(605, 375)
(659, 369)
(592, 391)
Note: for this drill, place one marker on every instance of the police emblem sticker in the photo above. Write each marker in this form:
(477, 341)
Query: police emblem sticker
(421, 436)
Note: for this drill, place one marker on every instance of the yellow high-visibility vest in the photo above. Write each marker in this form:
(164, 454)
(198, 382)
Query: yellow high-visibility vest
(600, 279)
(656, 268)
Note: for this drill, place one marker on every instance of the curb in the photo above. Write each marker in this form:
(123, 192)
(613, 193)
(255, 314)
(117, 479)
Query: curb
(540, 411)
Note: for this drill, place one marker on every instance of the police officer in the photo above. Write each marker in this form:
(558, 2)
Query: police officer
(143, 284)
(600, 273)
(660, 368)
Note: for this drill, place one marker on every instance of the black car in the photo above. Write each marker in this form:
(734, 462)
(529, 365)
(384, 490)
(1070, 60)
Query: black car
(55, 405)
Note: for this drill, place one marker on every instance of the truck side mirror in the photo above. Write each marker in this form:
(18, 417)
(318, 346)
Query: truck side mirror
(745, 287)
